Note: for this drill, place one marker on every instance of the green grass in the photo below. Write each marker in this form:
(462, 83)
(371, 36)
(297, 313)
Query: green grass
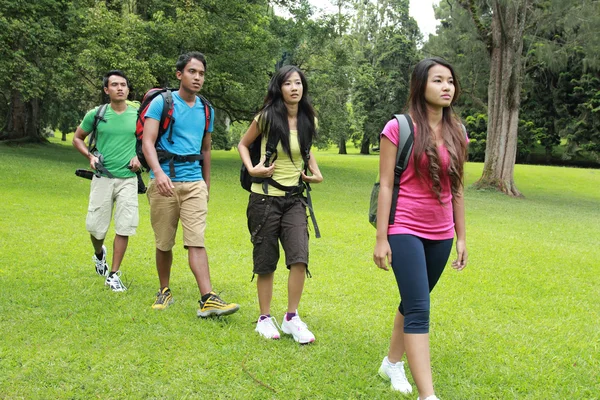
(521, 322)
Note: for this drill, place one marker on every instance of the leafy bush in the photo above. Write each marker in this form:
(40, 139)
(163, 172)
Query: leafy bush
(477, 131)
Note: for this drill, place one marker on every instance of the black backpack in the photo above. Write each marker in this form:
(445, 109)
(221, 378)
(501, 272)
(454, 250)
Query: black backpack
(246, 180)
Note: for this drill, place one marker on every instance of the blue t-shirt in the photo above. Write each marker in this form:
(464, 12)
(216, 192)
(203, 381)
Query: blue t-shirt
(188, 133)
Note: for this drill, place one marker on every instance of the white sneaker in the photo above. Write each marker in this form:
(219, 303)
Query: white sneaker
(432, 397)
(115, 283)
(101, 265)
(395, 373)
(267, 328)
(297, 329)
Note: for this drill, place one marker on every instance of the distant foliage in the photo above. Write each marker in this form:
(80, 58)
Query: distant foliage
(357, 59)
(477, 131)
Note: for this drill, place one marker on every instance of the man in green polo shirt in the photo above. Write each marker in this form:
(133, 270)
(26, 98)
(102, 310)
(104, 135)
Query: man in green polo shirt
(116, 162)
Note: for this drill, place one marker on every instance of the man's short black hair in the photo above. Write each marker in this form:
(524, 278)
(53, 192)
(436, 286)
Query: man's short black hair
(185, 58)
(116, 72)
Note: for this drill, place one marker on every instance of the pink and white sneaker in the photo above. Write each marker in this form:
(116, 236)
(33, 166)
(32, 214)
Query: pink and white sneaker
(297, 329)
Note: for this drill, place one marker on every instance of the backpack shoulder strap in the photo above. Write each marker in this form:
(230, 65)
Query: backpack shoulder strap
(100, 113)
(272, 140)
(99, 116)
(167, 96)
(207, 112)
(311, 212)
(272, 143)
(406, 139)
(270, 152)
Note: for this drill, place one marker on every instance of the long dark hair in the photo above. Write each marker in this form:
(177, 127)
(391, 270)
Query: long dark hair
(452, 132)
(273, 117)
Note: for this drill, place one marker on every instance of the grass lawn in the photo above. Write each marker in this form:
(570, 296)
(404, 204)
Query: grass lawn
(521, 322)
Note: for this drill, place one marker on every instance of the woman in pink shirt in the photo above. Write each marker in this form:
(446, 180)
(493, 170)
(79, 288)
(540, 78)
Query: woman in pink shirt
(430, 210)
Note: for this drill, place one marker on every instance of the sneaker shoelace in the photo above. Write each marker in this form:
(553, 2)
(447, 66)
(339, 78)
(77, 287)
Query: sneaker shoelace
(100, 262)
(297, 322)
(274, 326)
(115, 281)
(275, 323)
(215, 298)
(271, 321)
(162, 297)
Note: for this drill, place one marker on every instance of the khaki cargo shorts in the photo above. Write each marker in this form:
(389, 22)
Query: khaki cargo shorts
(189, 205)
(106, 192)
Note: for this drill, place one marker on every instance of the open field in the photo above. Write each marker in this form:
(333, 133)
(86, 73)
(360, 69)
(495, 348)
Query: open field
(521, 322)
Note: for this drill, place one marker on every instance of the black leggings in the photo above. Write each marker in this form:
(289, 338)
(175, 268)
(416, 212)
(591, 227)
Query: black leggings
(418, 264)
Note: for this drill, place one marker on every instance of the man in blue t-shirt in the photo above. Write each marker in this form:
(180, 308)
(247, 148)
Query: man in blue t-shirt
(184, 195)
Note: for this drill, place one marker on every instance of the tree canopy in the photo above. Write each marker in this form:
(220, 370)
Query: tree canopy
(357, 59)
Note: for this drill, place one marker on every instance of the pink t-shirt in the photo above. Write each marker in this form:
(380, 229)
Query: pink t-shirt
(418, 211)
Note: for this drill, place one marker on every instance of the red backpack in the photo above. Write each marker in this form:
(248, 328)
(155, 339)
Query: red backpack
(166, 124)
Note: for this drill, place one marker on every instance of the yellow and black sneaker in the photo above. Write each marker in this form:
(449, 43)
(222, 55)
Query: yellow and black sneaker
(164, 299)
(214, 305)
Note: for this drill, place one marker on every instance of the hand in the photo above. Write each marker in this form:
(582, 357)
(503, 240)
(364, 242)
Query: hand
(382, 255)
(163, 184)
(93, 161)
(134, 164)
(260, 171)
(461, 256)
(315, 174)
(314, 178)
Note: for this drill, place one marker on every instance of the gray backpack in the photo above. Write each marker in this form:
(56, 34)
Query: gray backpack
(406, 138)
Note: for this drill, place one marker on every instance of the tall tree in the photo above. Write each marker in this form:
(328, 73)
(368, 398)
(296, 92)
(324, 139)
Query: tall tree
(504, 38)
(560, 46)
(564, 65)
(457, 41)
(386, 39)
(31, 35)
(330, 71)
(54, 52)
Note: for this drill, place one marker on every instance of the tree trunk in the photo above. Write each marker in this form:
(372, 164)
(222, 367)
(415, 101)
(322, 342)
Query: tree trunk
(23, 117)
(342, 146)
(548, 155)
(364, 145)
(508, 24)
